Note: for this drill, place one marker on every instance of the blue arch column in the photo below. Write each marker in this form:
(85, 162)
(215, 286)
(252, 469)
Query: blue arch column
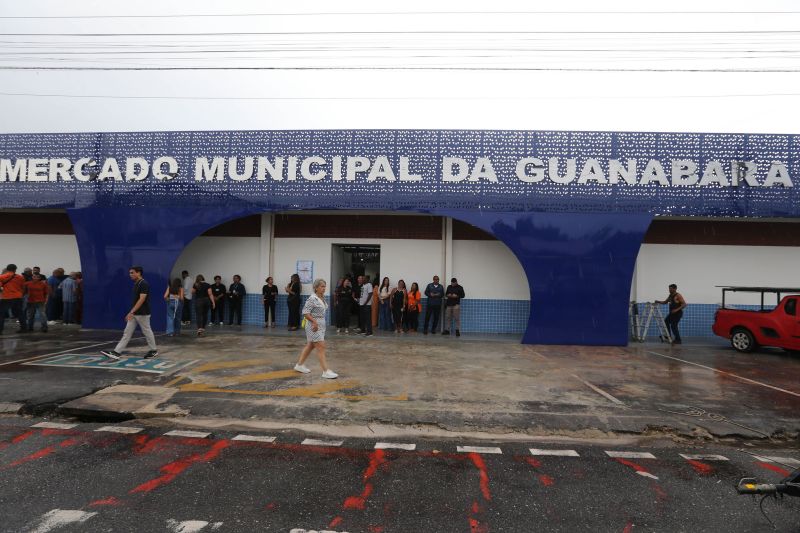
(111, 240)
(579, 269)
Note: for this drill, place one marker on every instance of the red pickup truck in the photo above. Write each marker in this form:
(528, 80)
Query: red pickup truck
(779, 326)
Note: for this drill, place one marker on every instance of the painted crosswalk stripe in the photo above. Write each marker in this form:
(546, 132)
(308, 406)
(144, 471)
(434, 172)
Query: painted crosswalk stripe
(703, 457)
(318, 442)
(478, 449)
(128, 430)
(191, 526)
(630, 455)
(559, 453)
(254, 438)
(53, 425)
(189, 434)
(774, 459)
(395, 446)
(58, 518)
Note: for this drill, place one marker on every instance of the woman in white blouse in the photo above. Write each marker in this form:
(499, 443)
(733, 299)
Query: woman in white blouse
(314, 313)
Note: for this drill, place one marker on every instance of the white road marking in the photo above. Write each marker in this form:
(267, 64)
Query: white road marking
(599, 391)
(301, 530)
(58, 518)
(703, 457)
(128, 430)
(394, 445)
(317, 442)
(53, 425)
(774, 459)
(255, 438)
(630, 455)
(478, 449)
(559, 453)
(191, 526)
(190, 434)
(646, 474)
(746, 380)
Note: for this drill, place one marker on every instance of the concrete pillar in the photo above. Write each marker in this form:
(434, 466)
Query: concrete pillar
(447, 244)
(266, 246)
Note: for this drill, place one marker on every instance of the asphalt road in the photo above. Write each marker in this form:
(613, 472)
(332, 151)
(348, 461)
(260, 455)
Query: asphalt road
(76, 478)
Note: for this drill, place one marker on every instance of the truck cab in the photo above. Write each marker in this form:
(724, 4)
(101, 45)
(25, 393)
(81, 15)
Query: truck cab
(749, 328)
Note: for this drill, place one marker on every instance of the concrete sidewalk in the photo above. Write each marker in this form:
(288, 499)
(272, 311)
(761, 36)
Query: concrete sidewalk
(457, 384)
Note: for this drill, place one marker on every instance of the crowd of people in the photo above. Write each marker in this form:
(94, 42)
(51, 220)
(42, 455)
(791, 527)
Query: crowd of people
(31, 294)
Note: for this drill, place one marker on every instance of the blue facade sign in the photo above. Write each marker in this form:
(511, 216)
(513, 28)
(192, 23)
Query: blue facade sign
(572, 206)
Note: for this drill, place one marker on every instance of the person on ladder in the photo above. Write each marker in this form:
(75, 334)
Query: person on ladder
(676, 306)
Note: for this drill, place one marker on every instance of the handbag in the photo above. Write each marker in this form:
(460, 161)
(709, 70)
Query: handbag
(303, 323)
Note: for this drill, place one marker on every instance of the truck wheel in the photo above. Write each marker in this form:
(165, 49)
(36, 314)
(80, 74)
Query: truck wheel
(742, 340)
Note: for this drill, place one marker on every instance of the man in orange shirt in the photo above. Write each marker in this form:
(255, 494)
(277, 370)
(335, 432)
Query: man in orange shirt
(37, 291)
(13, 287)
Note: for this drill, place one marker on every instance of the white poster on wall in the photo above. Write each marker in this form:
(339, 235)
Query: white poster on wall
(305, 269)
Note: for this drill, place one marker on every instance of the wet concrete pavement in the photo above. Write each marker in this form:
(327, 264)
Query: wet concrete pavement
(496, 385)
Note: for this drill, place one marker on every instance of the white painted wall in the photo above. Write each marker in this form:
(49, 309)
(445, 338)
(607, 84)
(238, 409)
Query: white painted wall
(697, 269)
(46, 251)
(488, 270)
(225, 256)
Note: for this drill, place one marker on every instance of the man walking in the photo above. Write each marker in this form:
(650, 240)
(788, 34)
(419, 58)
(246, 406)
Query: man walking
(37, 291)
(435, 292)
(676, 307)
(452, 309)
(365, 307)
(139, 314)
(186, 317)
(236, 294)
(13, 286)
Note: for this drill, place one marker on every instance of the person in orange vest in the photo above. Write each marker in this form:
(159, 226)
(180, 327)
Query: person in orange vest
(13, 285)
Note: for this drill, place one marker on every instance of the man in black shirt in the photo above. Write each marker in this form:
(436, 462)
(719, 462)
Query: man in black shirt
(434, 291)
(139, 314)
(236, 294)
(452, 310)
(218, 312)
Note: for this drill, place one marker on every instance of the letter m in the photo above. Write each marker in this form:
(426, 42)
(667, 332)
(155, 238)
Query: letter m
(13, 171)
(209, 172)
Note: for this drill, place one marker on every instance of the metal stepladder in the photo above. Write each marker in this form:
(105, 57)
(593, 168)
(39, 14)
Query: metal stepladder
(640, 328)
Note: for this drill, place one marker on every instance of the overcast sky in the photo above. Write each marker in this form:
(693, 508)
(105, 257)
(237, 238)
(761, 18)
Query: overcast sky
(682, 66)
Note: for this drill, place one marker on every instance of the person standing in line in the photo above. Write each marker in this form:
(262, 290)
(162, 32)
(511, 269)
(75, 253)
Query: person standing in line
(13, 286)
(236, 295)
(397, 303)
(676, 306)
(365, 307)
(174, 298)
(314, 312)
(218, 311)
(435, 292)
(375, 306)
(138, 315)
(356, 299)
(413, 308)
(452, 309)
(335, 295)
(345, 306)
(27, 275)
(269, 295)
(203, 298)
(37, 291)
(385, 316)
(69, 295)
(79, 297)
(293, 290)
(186, 315)
(55, 307)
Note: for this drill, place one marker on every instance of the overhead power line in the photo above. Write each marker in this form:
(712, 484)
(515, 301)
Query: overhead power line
(401, 68)
(407, 32)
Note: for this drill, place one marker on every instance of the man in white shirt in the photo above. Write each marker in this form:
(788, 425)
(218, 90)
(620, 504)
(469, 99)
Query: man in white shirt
(186, 318)
(365, 307)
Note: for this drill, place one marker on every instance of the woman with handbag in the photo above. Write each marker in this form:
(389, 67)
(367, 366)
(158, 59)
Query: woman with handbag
(314, 314)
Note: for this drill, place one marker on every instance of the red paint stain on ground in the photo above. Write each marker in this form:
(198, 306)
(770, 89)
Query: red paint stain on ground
(16, 440)
(375, 529)
(661, 496)
(544, 479)
(477, 460)
(700, 468)
(44, 452)
(631, 464)
(628, 528)
(271, 506)
(335, 522)
(774, 468)
(376, 459)
(475, 526)
(175, 468)
(107, 501)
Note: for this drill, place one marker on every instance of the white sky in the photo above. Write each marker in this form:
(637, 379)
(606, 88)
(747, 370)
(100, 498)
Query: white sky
(592, 94)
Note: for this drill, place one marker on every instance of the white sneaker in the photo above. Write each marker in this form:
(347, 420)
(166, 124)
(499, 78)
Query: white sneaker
(302, 368)
(222, 323)
(338, 330)
(330, 374)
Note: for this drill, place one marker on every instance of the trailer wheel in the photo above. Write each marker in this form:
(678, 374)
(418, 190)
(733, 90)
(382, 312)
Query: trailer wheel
(742, 340)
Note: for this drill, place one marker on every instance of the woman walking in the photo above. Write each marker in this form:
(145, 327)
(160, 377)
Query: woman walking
(385, 312)
(413, 307)
(314, 313)
(345, 306)
(174, 298)
(293, 301)
(203, 301)
(269, 293)
(397, 302)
